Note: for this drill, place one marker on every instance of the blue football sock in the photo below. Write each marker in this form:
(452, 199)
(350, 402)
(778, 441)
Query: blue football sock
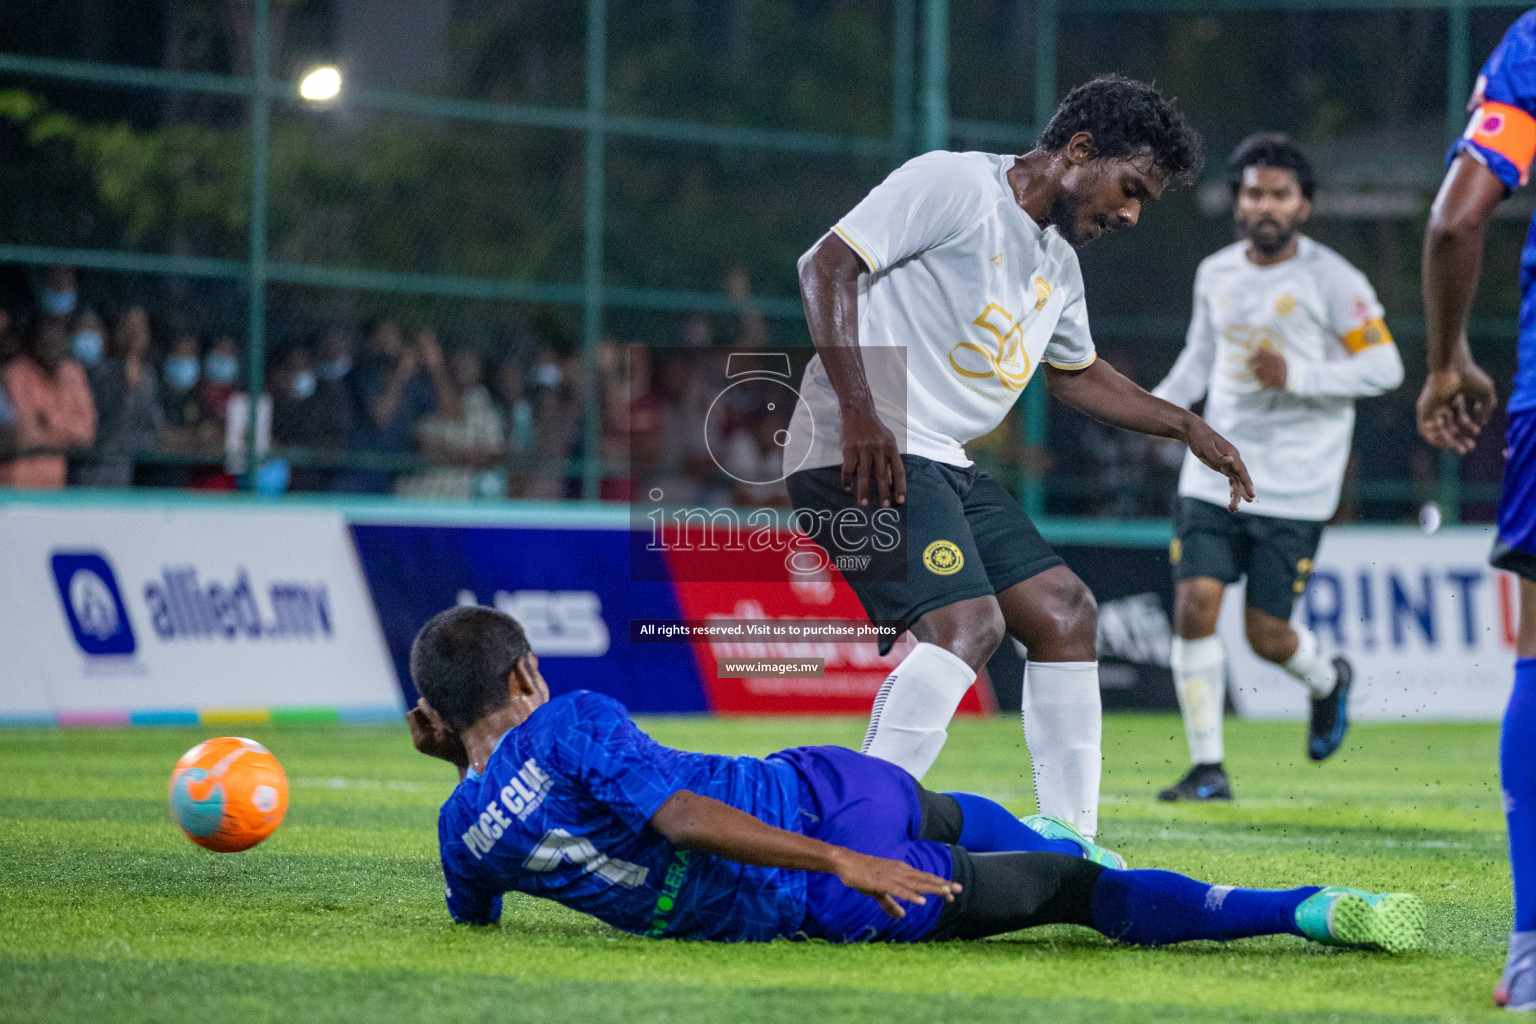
(1153, 908)
(989, 827)
(1517, 775)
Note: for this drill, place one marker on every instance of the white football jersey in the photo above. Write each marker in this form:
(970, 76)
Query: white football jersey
(966, 295)
(1321, 314)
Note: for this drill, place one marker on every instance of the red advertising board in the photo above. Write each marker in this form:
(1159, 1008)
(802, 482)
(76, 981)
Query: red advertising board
(853, 671)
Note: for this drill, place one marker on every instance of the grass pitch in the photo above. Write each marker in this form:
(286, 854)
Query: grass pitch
(108, 914)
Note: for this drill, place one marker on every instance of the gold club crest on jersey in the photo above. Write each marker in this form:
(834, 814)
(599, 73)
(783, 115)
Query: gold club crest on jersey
(1285, 305)
(1042, 293)
(1009, 363)
(1248, 340)
(943, 558)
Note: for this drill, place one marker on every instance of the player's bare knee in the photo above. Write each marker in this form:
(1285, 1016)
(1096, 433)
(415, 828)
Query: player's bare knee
(989, 631)
(970, 629)
(1070, 624)
(1196, 606)
(1082, 614)
(978, 634)
(1272, 640)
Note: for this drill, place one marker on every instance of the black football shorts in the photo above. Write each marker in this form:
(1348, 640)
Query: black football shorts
(1275, 554)
(961, 536)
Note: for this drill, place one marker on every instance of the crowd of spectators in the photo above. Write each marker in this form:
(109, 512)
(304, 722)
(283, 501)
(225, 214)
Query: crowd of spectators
(116, 398)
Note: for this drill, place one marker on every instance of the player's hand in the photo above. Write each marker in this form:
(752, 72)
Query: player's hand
(872, 461)
(431, 737)
(1268, 368)
(1455, 405)
(890, 881)
(1218, 453)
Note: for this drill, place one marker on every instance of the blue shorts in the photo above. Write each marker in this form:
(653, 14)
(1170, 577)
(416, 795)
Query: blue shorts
(1515, 549)
(869, 805)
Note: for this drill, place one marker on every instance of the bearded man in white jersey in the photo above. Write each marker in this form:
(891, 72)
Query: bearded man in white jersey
(931, 304)
(1285, 336)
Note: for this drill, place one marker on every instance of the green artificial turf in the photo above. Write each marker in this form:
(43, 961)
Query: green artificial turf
(108, 914)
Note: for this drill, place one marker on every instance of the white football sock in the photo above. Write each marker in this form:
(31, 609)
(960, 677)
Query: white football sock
(1200, 676)
(1064, 728)
(913, 707)
(1316, 671)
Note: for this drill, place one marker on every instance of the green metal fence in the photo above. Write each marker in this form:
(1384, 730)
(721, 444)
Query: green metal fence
(921, 121)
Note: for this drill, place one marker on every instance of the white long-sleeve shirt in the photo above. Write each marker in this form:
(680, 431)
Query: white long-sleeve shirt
(1321, 314)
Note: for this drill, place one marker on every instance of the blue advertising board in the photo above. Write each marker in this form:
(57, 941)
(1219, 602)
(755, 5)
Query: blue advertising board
(570, 588)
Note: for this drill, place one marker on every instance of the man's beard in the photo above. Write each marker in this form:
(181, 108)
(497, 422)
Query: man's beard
(1270, 242)
(1064, 219)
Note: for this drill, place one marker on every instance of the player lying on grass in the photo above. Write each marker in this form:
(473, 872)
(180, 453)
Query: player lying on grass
(569, 800)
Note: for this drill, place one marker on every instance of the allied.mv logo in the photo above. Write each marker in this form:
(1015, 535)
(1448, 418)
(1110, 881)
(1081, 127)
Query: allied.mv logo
(92, 603)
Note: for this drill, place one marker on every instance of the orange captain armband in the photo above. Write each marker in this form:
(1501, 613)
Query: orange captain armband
(1372, 332)
(1508, 131)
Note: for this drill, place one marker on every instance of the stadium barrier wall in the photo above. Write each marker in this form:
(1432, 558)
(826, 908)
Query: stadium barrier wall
(573, 591)
(138, 615)
(181, 610)
(1428, 624)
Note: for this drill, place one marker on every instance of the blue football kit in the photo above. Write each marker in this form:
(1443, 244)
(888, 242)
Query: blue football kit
(1502, 136)
(563, 811)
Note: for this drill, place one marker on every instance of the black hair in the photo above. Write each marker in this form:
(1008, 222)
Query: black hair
(1125, 117)
(460, 661)
(1270, 149)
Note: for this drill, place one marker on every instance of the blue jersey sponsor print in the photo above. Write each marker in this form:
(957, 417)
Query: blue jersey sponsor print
(562, 811)
(1501, 136)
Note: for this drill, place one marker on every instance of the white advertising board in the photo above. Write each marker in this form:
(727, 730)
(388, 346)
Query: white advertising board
(1427, 623)
(129, 614)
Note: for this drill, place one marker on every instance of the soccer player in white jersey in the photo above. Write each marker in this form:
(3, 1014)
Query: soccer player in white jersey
(931, 304)
(1285, 336)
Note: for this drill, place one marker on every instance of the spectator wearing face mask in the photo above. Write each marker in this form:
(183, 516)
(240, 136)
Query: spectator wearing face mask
(51, 404)
(89, 343)
(197, 406)
(333, 389)
(59, 295)
(556, 425)
(219, 379)
(303, 416)
(127, 394)
(333, 360)
(179, 376)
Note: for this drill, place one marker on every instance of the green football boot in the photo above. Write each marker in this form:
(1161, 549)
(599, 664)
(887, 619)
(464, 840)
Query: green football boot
(1055, 828)
(1392, 922)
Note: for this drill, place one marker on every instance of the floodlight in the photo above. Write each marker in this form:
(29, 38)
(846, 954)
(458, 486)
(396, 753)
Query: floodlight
(323, 83)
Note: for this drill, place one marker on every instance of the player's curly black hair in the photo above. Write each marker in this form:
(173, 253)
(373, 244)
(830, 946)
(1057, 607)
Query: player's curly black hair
(1126, 117)
(1270, 149)
(460, 661)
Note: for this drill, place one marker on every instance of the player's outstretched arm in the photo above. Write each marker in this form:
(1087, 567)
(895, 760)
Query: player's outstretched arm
(1458, 397)
(694, 822)
(829, 287)
(1104, 393)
